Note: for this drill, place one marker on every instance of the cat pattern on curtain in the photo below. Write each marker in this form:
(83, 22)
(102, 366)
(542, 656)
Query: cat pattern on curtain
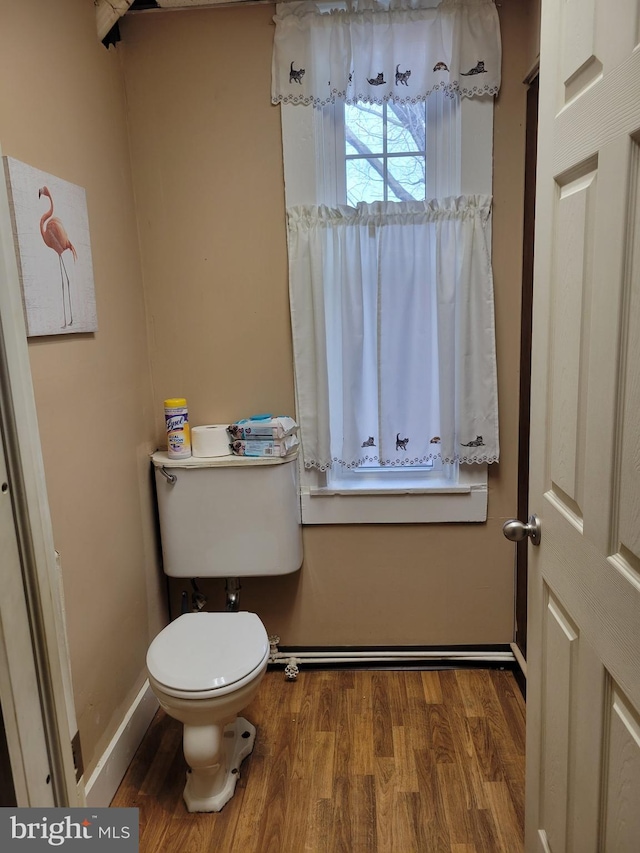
(477, 443)
(295, 76)
(402, 77)
(477, 69)
(401, 443)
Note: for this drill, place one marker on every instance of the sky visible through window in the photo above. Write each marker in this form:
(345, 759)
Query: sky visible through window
(385, 152)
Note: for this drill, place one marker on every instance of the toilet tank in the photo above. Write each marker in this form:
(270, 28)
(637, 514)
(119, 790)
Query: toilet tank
(230, 516)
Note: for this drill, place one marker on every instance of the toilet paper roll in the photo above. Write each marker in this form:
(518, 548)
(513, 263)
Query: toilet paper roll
(210, 440)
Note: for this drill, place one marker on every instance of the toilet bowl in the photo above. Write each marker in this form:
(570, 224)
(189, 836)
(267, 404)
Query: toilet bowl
(204, 668)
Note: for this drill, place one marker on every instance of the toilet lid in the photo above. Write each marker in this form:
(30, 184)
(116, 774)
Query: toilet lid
(205, 651)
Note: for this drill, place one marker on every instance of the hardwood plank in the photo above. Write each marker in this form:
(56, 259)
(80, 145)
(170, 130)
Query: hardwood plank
(344, 744)
(324, 706)
(397, 698)
(154, 824)
(363, 690)
(508, 827)
(513, 707)
(441, 738)
(402, 825)
(385, 781)
(255, 771)
(514, 780)
(488, 759)
(485, 834)
(430, 817)
(323, 762)
(451, 694)
(467, 758)
(320, 819)
(416, 719)
(362, 725)
(455, 803)
(508, 743)
(271, 827)
(362, 751)
(294, 836)
(431, 686)
(468, 685)
(406, 774)
(423, 829)
(363, 814)
(300, 723)
(340, 839)
(382, 718)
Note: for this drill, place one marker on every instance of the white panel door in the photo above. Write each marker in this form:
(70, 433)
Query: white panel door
(583, 703)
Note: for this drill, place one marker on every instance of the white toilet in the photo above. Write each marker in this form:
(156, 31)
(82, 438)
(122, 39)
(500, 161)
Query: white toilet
(225, 517)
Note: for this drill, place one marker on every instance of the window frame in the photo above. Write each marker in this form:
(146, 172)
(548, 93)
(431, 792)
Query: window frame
(385, 155)
(313, 148)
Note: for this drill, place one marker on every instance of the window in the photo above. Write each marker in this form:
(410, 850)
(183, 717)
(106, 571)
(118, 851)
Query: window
(385, 152)
(376, 155)
(384, 159)
(390, 152)
(316, 172)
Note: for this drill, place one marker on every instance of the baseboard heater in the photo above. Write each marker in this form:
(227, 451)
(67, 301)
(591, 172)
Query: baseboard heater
(394, 657)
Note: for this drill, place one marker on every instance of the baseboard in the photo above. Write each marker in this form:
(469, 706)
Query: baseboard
(105, 779)
(393, 657)
(520, 672)
(520, 658)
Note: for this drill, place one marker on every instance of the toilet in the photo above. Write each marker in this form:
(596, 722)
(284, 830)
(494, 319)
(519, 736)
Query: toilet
(227, 517)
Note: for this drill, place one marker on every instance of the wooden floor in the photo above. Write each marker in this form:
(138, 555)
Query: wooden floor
(395, 762)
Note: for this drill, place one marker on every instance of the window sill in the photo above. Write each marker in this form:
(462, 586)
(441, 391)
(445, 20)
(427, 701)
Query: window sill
(463, 501)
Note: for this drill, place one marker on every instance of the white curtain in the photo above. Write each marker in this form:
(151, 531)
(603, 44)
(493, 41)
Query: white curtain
(402, 53)
(392, 309)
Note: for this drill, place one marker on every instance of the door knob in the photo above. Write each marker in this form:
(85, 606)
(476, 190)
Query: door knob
(516, 530)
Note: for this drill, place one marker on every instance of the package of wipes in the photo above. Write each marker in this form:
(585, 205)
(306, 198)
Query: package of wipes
(263, 426)
(264, 435)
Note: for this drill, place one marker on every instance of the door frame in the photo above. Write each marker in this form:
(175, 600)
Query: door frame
(526, 318)
(35, 676)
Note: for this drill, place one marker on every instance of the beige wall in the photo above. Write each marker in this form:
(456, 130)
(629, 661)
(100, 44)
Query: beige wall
(207, 167)
(533, 31)
(62, 110)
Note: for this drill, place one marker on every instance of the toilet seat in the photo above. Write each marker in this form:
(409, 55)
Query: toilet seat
(201, 654)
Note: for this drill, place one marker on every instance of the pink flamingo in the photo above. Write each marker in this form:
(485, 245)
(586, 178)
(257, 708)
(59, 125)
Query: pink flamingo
(55, 237)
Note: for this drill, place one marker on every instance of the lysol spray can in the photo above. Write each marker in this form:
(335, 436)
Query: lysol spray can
(177, 420)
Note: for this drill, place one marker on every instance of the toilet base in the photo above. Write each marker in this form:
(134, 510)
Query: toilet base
(216, 790)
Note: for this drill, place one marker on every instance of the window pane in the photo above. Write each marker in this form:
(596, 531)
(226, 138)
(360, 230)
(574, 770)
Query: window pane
(406, 178)
(364, 181)
(405, 128)
(364, 129)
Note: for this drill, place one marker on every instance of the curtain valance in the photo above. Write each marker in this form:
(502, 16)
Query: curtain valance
(375, 55)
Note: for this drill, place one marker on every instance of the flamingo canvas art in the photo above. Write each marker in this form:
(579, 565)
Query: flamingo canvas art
(51, 233)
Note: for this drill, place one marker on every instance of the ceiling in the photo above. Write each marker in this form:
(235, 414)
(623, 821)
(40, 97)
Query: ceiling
(109, 12)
